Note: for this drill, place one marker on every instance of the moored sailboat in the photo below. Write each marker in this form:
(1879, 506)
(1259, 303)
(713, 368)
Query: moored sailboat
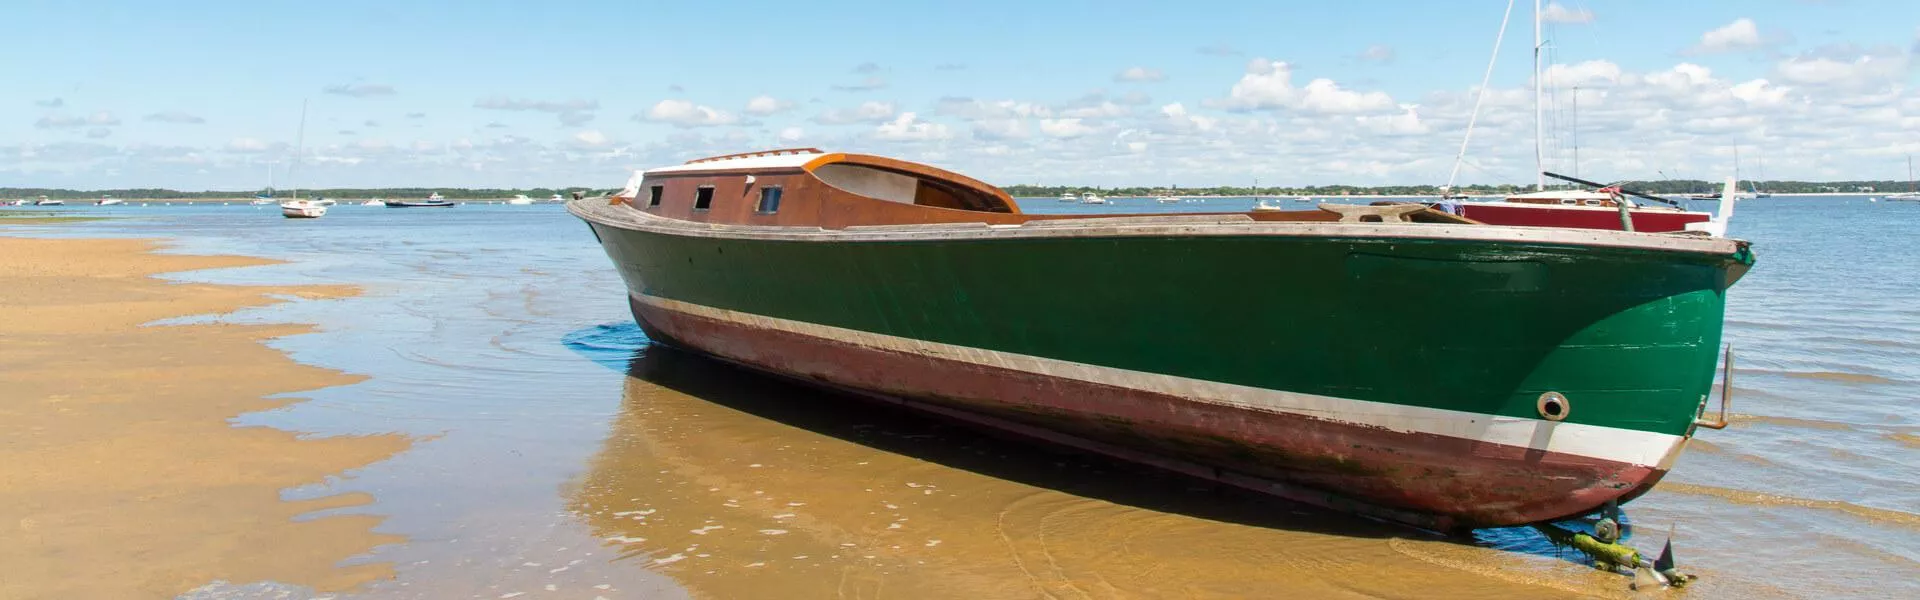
(1567, 373)
(1912, 192)
(296, 208)
(1561, 208)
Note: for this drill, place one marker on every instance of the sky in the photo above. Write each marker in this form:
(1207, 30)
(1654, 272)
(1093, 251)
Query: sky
(200, 95)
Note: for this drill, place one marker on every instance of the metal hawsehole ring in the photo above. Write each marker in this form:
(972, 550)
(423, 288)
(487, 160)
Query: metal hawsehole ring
(1553, 406)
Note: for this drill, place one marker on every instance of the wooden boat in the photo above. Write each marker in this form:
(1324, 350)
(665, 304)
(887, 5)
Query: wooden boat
(1405, 362)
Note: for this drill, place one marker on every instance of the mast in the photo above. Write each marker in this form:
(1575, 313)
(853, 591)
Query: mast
(1539, 110)
(299, 143)
(1576, 131)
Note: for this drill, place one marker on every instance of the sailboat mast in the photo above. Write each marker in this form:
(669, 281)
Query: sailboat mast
(299, 145)
(1539, 110)
(1576, 131)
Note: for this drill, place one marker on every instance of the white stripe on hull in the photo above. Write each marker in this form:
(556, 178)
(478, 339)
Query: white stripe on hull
(1639, 448)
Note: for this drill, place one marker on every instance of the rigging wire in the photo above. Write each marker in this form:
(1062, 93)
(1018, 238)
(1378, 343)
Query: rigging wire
(1474, 117)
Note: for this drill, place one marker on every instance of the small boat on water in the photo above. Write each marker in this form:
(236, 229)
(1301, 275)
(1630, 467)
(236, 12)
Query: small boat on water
(1092, 198)
(45, 201)
(433, 201)
(374, 202)
(1069, 197)
(556, 198)
(1426, 367)
(1266, 205)
(109, 201)
(303, 209)
(1167, 200)
(519, 199)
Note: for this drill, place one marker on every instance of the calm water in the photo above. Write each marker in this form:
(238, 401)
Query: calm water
(557, 449)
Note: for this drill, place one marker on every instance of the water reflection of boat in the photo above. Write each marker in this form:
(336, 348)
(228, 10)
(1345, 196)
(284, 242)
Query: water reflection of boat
(912, 283)
(755, 469)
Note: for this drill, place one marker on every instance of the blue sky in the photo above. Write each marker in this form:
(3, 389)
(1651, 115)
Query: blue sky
(202, 95)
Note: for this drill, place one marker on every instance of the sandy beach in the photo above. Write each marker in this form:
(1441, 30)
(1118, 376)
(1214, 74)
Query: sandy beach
(120, 474)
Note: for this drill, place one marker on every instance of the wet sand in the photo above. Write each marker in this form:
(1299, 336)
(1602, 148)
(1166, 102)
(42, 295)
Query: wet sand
(120, 475)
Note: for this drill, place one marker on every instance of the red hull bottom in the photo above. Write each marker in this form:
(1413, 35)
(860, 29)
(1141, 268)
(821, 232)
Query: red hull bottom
(1432, 481)
(1536, 215)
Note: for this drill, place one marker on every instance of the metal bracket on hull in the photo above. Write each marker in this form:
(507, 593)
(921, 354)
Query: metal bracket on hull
(1726, 396)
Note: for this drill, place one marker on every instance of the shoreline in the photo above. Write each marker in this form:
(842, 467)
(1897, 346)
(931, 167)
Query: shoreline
(123, 474)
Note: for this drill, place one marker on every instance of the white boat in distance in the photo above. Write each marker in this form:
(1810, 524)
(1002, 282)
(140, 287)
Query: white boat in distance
(1092, 198)
(109, 201)
(520, 199)
(303, 209)
(45, 201)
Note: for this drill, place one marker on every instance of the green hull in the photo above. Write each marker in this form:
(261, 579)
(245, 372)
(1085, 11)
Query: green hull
(1629, 336)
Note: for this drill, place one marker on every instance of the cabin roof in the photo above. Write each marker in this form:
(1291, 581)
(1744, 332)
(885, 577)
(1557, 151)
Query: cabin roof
(987, 197)
(771, 159)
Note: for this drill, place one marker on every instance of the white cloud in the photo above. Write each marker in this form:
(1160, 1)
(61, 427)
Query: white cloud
(868, 83)
(767, 105)
(570, 112)
(1406, 123)
(590, 139)
(1176, 114)
(1323, 95)
(1000, 129)
(1585, 74)
(1140, 74)
(971, 109)
(682, 113)
(792, 134)
(96, 120)
(908, 128)
(866, 112)
(1846, 66)
(1269, 84)
(1559, 13)
(1064, 128)
(1759, 92)
(359, 90)
(1103, 110)
(246, 144)
(1380, 53)
(1739, 36)
(174, 116)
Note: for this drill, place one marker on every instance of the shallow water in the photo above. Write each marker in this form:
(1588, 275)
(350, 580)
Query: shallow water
(557, 449)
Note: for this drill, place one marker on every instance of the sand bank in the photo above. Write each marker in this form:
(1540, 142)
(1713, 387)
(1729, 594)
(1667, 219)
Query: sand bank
(120, 475)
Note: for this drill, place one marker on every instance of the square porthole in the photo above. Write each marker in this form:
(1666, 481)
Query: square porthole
(703, 198)
(653, 195)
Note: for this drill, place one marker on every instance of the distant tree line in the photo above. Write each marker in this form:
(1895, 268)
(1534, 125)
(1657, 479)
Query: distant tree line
(1664, 186)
